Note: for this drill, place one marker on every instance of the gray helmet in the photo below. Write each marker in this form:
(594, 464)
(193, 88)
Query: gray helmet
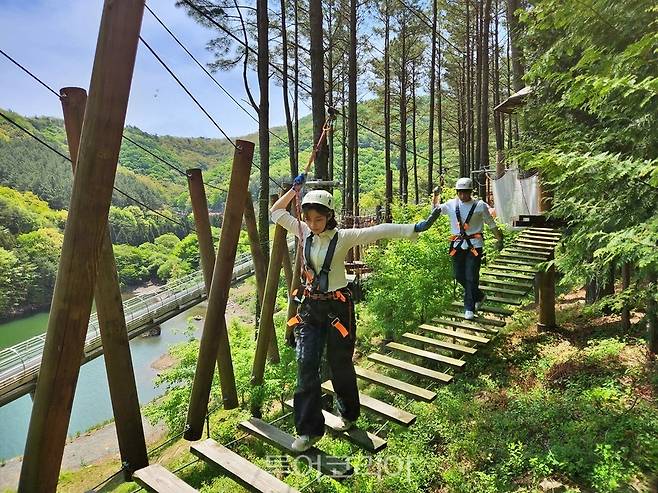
(464, 184)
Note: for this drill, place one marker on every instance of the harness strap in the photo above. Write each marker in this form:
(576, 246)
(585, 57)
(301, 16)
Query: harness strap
(463, 236)
(319, 281)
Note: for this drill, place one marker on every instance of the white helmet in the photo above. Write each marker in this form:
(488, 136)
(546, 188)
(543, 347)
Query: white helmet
(321, 197)
(464, 184)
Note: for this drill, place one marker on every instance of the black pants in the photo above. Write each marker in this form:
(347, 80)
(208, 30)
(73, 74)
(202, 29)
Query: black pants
(312, 335)
(466, 269)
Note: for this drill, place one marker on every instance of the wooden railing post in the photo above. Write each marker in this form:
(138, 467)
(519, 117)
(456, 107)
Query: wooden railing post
(83, 238)
(214, 327)
(266, 330)
(202, 224)
(546, 295)
(111, 318)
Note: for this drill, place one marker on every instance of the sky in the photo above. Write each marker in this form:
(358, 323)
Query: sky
(56, 41)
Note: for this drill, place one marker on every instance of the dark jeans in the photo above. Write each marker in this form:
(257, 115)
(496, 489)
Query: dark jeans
(312, 335)
(466, 269)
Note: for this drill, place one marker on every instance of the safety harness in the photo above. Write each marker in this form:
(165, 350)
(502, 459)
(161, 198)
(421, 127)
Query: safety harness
(457, 240)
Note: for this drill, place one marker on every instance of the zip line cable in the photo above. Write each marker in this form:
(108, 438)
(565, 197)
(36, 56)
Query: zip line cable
(29, 73)
(202, 67)
(278, 69)
(67, 158)
(180, 83)
(172, 166)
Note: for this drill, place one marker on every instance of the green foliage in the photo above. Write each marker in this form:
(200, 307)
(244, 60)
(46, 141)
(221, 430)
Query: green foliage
(411, 280)
(590, 128)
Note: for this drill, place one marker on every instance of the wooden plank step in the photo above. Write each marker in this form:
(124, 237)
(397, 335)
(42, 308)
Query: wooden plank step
(438, 343)
(511, 284)
(378, 407)
(496, 289)
(314, 457)
(468, 325)
(526, 253)
(507, 274)
(396, 385)
(538, 237)
(514, 261)
(417, 370)
(487, 308)
(507, 301)
(239, 469)
(516, 268)
(457, 363)
(157, 478)
(361, 438)
(516, 256)
(547, 244)
(544, 230)
(539, 248)
(454, 333)
(478, 319)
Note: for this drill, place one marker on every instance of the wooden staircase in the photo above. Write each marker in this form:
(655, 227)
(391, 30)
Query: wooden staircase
(444, 343)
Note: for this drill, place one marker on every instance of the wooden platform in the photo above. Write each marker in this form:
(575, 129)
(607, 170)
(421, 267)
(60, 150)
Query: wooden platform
(457, 363)
(440, 344)
(247, 474)
(417, 370)
(361, 438)
(508, 283)
(158, 479)
(478, 319)
(464, 324)
(454, 333)
(505, 312)
(378, 407)
(499, 290)
(396, 385)
(314, 457)
(507, 274)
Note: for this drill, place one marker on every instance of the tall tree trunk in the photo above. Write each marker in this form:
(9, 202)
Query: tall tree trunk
(509, 92)
(296, 95)
(351, 123)
(479, 44)
(484, 104)
(514, 31)
(330, 88)
(344, 134)
(413, 130)
(387, 114)
(294, 166)
(317, 86)
(498, 122)
(469, 94)
(263, 126)
(439, 91)
(430, 141)
(404, 178)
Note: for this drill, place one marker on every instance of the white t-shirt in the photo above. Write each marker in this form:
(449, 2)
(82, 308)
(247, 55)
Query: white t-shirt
(347, 238)
(480, 216)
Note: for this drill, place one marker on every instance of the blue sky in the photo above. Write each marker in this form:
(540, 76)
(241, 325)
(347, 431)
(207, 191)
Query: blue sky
(56, 40)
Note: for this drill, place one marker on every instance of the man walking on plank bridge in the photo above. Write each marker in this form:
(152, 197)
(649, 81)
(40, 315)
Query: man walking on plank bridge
(467, 218)
(326, 313)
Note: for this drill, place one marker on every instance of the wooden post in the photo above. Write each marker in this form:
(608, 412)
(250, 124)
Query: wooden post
(83, 238)
(625, 283)
(296, 280)
(207, 255)
(111, 318)
(546, 294)
(652, 315)
(266, 329)
(287, 268)
(202, 223)
(214, 327)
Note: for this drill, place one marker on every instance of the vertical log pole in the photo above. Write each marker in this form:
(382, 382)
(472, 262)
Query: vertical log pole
(214, 327)
(111, 318)
(296, 280)
(260, 266)
(266, 328)
(207, 254)
(546, 294)
(202, 224)
(83, 238)
(625, 283)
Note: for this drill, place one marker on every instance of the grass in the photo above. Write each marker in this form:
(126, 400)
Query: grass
(576, 405)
